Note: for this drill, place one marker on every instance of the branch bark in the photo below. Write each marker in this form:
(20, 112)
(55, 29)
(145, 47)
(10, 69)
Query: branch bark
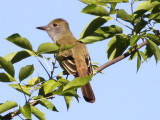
(117, 59)
(9, 116)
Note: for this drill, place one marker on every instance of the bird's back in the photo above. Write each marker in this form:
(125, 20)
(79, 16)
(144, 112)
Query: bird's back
(76, 61)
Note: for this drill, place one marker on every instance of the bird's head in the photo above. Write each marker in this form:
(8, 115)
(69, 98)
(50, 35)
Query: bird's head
(56, 28)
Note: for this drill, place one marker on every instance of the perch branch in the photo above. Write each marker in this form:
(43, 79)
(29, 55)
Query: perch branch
(117, 59)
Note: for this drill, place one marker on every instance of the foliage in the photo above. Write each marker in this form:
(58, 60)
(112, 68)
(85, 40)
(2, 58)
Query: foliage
(140, 23)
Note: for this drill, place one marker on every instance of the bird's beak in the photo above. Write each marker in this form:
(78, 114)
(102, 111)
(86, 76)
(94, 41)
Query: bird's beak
(43, 28)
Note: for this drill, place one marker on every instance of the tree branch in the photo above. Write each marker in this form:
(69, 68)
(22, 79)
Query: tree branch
(9, 116)
(117, 59)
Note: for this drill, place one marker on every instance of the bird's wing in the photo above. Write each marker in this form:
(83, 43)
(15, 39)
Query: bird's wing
(69, 61)
(89, 65)
(69, 65)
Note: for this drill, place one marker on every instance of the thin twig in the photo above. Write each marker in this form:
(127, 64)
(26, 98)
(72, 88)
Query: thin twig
(43, 67)
(122, 23)
(132, 6)
(47, 64)
(20, 117)
(54, 64)
(30, 97)
(41, 64)
(67, 76)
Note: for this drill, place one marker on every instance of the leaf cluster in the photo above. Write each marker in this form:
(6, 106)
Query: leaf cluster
(46, 88)
(140, 24)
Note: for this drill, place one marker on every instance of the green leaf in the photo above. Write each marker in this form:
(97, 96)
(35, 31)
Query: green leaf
(95, 38)
(153, 0)
(112, 9)
(26, 110)
(47, 48)
(68, 100)
(138, 62)
(66, 47)
(95, 10)
(144, 7)
(18, 56)
(20, 41)
(140, 25)
(93, 25)
(153, 37)
(143, 56)
(39, 114)
(76, 83)
(155, 12)
(99, 2)
(124, 16)
(49, 86)
(102, 2)
(46, 103)
(148, 51)
(23, 89)
(7, 66)
(113, 29)
(36, 80)
(134, 54)
(154, 49)
(5, 77)
(25, 72)
(7, 106)
(157, 19)
(58, 91)
(102, 33)
(71, 93)
(1, 118)
(117, 45)
(133, 40)
(63, 81)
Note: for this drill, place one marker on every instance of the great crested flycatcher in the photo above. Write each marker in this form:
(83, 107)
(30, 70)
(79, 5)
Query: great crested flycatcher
(75, 61)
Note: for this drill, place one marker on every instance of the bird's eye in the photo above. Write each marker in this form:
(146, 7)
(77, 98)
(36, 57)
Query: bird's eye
(54, 24)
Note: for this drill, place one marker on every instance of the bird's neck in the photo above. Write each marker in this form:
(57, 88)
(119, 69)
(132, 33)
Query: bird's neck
(60, 35)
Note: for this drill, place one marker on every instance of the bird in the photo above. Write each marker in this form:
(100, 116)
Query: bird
(76, 61)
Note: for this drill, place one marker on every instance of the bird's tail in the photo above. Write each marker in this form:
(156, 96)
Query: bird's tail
(88, 93)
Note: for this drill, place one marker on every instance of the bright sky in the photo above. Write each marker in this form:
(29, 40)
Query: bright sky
(121, 93)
